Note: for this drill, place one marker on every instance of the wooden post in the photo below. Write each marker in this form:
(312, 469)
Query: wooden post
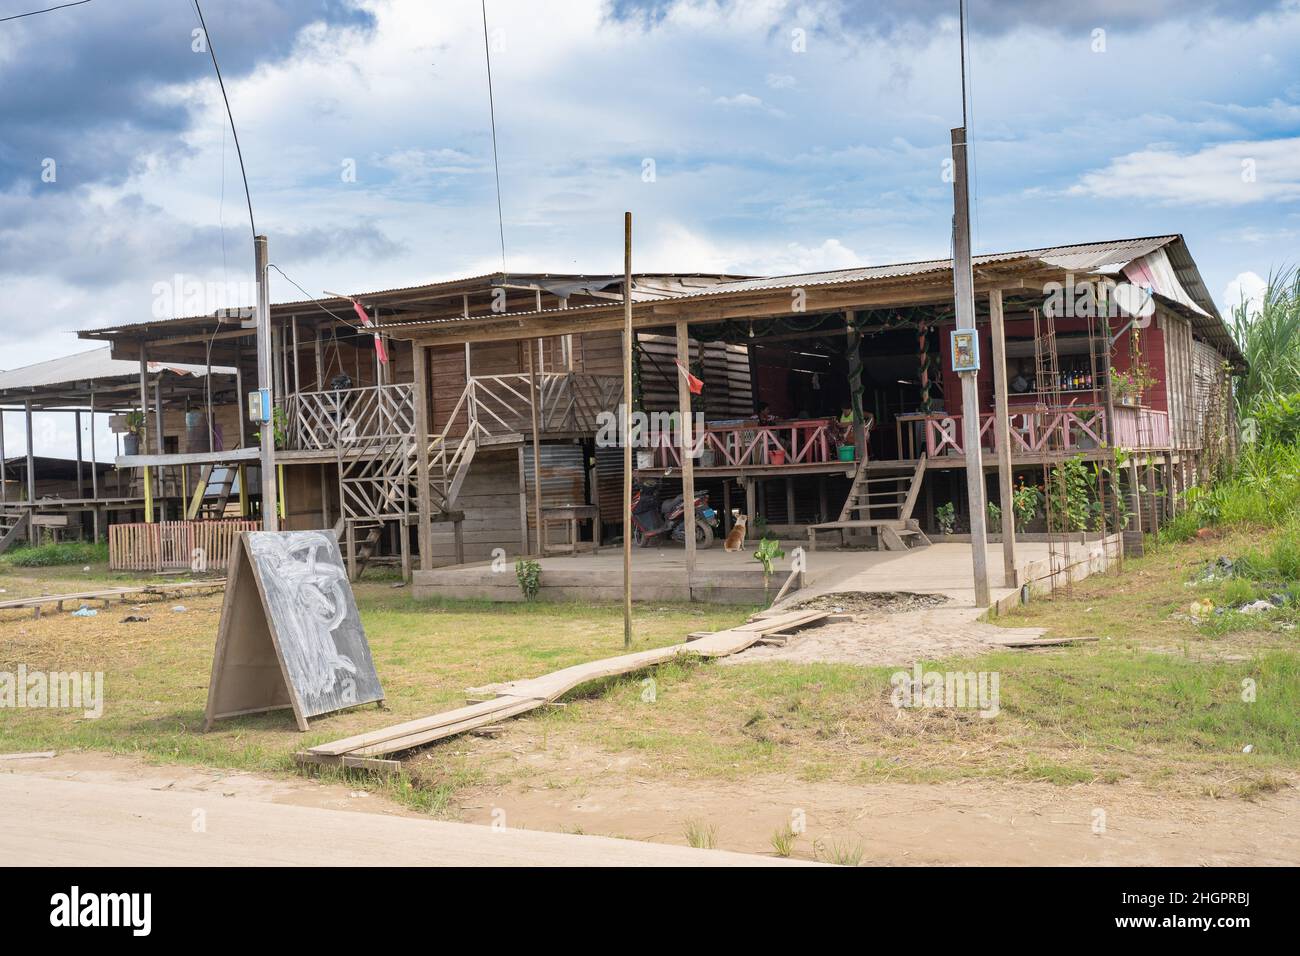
(143, 442)
(686, 435)
(853, 355)
(1153, 516)
(94, 460)
(31, 473)
(319, 357)
(81, 483)
(523, 503)
(963, 290)
(626, 429)
(4, 476)
(535, 399)
(1135, 493)
(420, 354)
(1002, 435)
(240, 398)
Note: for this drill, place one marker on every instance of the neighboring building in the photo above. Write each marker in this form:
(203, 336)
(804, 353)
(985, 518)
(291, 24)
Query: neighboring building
(89, 387)
(473, 363)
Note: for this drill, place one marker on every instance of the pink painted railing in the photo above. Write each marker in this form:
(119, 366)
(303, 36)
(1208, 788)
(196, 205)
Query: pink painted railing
(1142, 428)
(751, 445)
(1036, 431)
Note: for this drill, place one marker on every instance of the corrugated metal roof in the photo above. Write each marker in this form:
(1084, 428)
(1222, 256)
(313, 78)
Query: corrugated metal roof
(94, 364)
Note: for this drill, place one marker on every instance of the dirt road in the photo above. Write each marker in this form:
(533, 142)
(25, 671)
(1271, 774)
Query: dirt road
(92, 819)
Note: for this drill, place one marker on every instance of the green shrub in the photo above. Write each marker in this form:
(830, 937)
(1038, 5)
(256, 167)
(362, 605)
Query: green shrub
(56, 553)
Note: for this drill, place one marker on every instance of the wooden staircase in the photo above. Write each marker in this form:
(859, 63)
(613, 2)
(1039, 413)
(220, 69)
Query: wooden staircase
(13, 521)
(882, 503)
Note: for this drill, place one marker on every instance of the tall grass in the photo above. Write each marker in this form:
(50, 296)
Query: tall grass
(1270, 339)
(1263, 490)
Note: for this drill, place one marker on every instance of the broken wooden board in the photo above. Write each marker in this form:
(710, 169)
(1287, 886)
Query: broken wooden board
(519, 697)
(1045, 642)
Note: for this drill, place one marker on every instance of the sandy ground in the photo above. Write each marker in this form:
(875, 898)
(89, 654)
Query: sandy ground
(999, 824)
(891, 634)
(96, 811)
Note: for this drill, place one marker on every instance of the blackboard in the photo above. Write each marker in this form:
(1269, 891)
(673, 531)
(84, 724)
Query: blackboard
(290, 634)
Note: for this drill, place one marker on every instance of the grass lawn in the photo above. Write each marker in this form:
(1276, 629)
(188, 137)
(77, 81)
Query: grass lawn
(1158, 701)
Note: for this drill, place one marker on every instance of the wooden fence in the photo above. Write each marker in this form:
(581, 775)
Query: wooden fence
(174, 545)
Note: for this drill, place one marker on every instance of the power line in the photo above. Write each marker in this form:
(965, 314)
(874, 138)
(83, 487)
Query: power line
(212, 52)
(492, 113)
(33, 13)
(315, 301)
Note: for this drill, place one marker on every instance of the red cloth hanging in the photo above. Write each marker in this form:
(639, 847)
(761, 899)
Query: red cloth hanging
(694, 384)
(380, 349)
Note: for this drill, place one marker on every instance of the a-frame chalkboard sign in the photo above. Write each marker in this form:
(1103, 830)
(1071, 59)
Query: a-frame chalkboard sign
(290, 635)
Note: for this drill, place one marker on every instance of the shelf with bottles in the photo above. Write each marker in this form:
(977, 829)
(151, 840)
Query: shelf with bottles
(1072, 377)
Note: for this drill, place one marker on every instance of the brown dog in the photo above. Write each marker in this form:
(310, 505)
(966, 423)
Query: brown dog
(736, 536)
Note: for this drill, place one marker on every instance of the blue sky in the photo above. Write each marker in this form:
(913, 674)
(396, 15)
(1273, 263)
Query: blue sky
(784, 137)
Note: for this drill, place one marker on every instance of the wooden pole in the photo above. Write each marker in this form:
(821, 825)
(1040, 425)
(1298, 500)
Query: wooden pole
(420, 354)
(963, 290)
(1002, 434)
(686, 436)
(626, 429)
(94, 460)
(534, 399)
(31, 457)
(4, 476)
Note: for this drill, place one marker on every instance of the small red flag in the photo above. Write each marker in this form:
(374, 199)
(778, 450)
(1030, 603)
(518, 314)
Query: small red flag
(694, 384)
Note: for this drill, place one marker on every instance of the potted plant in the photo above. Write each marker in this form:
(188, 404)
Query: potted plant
(1128, 385)
(134, 432)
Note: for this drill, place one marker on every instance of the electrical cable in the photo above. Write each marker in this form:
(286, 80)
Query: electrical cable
(33, 13)
(492, 114)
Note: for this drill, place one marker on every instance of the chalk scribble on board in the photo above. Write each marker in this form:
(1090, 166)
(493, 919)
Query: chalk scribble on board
(309, 591)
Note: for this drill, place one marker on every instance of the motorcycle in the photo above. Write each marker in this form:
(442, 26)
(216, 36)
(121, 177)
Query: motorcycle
(657, 520)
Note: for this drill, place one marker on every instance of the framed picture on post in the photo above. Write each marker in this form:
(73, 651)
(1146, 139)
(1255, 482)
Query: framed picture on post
(965, 350)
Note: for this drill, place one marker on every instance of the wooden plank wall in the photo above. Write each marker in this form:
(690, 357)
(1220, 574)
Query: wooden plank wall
(727, 386)
(490, 501)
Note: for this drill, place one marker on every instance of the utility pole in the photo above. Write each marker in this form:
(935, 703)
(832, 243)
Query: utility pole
(964, 295)
(270, 508)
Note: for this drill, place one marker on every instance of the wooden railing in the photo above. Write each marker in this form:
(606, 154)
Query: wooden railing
(569, 402)
(1141, 428)
(1042, 431)
(330, 419)
(747, 445)
(174, 545)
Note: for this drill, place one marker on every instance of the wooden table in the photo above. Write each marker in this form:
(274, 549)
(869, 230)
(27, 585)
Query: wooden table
(570, 515)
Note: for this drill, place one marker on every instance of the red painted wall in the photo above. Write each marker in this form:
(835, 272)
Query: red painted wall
(1151, 343)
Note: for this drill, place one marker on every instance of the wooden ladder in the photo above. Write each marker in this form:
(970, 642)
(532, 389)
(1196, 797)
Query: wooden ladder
(12, 523)
(883, 504)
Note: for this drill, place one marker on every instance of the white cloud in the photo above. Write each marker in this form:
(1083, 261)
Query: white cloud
(1224, 174)
(1247, 287)
(675, 246)
(780, 81)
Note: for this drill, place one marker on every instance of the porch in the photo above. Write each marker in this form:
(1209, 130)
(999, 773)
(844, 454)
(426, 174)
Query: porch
(659, 574)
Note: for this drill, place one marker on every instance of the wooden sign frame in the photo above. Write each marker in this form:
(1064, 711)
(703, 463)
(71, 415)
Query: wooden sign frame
(249, 670)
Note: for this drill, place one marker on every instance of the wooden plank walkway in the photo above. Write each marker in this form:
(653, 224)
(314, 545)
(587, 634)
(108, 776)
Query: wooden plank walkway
(518, 697)
(106, 595)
